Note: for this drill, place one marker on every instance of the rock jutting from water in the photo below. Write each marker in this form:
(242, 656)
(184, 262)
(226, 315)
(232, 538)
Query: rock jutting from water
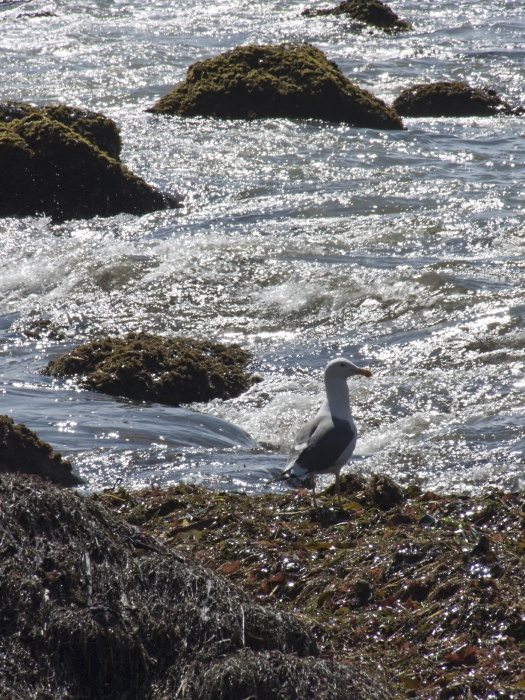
(93, 607)
(22, 451)
(372, 12)
(147, 367)
(50, 168)
(294, 81)
(95, 127)
(449, 99)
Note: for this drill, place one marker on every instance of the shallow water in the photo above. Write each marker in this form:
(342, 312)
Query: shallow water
(300, 240)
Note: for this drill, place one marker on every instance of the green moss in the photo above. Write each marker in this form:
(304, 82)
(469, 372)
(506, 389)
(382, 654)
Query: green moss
(287, 80)
(449, 99)
(62, 174)
(373, 12)
(153, 368)
(21, 450)
(96, 128)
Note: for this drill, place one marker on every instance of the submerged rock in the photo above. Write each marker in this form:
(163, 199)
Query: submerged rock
(372, 12)
(153, 368)
(449, 99)
(295, 81)
(48, 168)
(22, 451)
(93, 607)
(95, 127)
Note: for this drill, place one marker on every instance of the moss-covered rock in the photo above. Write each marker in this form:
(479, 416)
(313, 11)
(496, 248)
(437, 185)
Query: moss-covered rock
(47, 168)
(95, 127)
(449, 99)
(153, 368)
(22, 451)
(295, 81)
(92, 607)
(372, 12)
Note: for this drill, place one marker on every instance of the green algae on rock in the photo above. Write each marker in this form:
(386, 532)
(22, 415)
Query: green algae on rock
(449, 99)
(48, 168)
(154, 368)
(372, 12)
(294, 81)
(22, 451)
(92, 607)
(95, 127)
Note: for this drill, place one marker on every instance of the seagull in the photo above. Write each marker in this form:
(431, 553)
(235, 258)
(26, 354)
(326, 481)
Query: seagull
(326, 442)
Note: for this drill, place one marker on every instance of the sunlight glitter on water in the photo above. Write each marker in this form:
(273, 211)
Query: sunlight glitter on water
(301, 240)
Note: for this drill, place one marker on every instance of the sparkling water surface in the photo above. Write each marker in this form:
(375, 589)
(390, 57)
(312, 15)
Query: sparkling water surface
(299, 240)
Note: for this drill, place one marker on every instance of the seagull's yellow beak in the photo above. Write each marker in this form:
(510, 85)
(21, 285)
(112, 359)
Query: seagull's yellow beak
(364, 372)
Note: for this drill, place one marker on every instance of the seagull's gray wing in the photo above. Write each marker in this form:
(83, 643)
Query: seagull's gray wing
(319, 445)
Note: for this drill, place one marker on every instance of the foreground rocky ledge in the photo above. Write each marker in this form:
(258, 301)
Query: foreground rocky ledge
(427, 587)
(295, 81)
(92, 607)
(155, 368)
(55, 162)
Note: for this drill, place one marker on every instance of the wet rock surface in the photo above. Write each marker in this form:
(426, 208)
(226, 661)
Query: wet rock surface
(154, 368)
(449, 99)
(92, 607)
(22, 451)
(294, 81)
(46, 167)
(372, 12)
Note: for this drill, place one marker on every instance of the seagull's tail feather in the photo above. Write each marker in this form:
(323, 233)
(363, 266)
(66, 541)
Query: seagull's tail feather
(292, 473)
(283, 476)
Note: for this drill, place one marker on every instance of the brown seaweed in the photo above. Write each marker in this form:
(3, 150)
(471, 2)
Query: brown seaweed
(427, 586)
(92, 607)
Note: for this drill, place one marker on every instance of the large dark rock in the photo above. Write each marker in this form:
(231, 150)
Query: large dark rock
(288, 80)
(22, 451)
(449, 99)
(154, 368)
(372, 12)
(48, 168)
(91, 607)
(95, 127)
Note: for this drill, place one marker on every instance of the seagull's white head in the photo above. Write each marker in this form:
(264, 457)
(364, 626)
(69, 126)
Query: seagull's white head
(340, 368)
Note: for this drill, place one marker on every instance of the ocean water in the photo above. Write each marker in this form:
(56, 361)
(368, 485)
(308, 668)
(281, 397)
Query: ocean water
(299, 240)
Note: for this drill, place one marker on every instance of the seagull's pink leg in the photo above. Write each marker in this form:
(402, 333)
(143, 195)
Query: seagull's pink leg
(312, 484)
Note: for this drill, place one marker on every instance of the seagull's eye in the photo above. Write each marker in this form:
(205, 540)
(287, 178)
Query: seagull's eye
(343, 364)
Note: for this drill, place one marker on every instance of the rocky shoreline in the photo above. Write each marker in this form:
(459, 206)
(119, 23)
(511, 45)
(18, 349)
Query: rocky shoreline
(425, 586)
(219, 595)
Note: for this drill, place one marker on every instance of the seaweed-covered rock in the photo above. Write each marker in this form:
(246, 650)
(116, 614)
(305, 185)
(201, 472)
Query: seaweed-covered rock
(372, 12)
(95, 127)
(295, 81)
(385, 587)
(21, 450)
(153, 368)
(47, 168)
(277, 676)
(91, 607)
(449, 99)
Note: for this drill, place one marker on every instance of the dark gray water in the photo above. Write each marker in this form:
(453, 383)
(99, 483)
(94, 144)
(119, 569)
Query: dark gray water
(300, 240)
